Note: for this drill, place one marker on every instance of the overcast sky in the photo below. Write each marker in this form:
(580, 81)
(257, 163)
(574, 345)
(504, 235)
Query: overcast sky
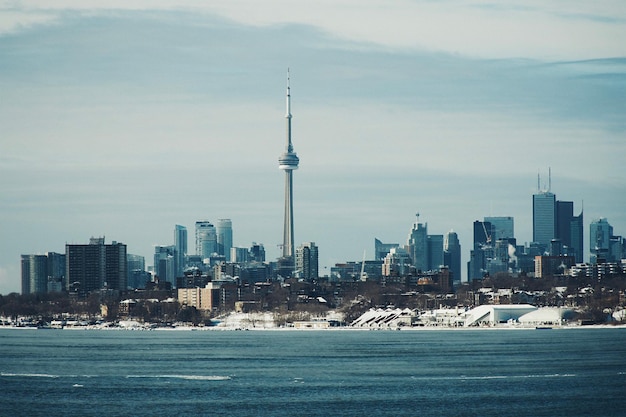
(122, 121)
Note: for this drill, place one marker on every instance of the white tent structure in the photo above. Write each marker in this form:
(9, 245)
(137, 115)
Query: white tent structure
(491, 315)
(385, 318)
(546, 316)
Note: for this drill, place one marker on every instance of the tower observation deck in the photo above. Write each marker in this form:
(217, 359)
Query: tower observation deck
(288, 161)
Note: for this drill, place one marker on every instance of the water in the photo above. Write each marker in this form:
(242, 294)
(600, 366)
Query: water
(313, 373)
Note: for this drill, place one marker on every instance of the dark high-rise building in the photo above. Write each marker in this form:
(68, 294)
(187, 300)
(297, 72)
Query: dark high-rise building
(564, 217)
(452, 254)
(482, 250)
(576, 237)
(180, 243)
(257, 252)
(435, 252)
(569, 229)
(96, 266)
(56, 272)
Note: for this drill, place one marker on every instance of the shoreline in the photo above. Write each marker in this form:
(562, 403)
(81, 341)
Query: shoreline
(142, 327)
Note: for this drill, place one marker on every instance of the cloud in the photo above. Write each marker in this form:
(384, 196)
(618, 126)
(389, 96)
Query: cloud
(473, 28)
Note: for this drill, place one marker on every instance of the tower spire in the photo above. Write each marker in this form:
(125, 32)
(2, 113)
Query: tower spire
(289, 147)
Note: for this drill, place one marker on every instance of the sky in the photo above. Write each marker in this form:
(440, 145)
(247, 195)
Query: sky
(122, 120)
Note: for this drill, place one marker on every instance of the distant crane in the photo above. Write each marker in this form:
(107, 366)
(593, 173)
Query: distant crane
(362, 276)
(487, 235)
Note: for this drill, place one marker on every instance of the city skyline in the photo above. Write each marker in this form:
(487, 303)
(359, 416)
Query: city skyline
(123, 121)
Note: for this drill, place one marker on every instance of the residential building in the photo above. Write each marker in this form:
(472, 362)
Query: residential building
(34, 274)
(307, 261)
(96, 266)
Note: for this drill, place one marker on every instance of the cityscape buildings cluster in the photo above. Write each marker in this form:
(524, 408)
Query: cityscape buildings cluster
(429, 261)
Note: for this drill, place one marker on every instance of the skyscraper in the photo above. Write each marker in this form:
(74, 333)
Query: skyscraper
(206, 239)
(600, 234)
(307, 261)
(165, 263)
(180, 242)
(452, 254)
(569, 229)
(482, 250)
(224, 229)
(576, 236)
(34, 274)
(435, 252)
(544, 218)
(288, 162)
(418, 245)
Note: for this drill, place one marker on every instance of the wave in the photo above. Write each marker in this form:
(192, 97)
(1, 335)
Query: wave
(519, 376)
(487, 377)
(186, 377)
(26, 375)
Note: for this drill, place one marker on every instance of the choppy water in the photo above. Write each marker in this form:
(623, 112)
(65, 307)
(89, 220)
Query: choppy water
(313, 373)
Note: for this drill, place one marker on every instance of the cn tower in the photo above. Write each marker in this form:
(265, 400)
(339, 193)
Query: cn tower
(288, 161)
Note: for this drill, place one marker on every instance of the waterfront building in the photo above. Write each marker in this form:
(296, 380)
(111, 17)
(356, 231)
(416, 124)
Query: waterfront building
(307, 261)
(206, 239)
(288, 162)
(43, 273)
(34, 274)
(452, 254)
(96, 266)
(202, 298)
(180, 244)
(224, 229)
